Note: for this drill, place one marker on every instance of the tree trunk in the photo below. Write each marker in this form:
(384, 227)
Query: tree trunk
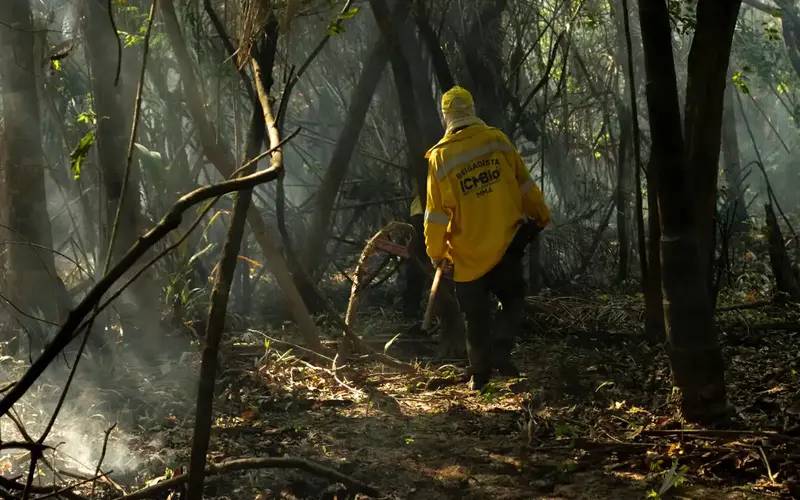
(622, 196)
(705, 92)
(427, 108)
(442, 69)
(213, 336)
(112, 104)
(686, 176)
(625, 155)
(731, 162)
(227, 267)
(786, 281)
(790, 21)
(418, 165)
(654, 327)
(482, 49)
(32, 281)
(361, 97)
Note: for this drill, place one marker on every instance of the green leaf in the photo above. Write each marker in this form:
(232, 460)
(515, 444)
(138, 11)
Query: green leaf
(55, 64)
(336, 26)
(740, 81)
(130, 39)
(350, 14)
(674, 477)
(87, 117)
(80, 152)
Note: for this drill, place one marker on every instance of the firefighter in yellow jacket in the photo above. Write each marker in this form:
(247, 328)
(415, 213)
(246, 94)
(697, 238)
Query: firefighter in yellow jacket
(482, 209)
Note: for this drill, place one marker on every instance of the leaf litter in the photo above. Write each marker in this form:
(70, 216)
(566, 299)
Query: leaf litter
(593, 417)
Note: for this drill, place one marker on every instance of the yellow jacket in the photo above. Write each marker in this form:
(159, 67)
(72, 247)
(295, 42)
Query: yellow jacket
(479, 192)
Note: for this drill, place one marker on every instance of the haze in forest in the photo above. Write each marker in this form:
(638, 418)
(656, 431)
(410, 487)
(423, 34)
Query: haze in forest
(137, 244)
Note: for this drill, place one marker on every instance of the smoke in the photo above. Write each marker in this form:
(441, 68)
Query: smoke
(132, 396)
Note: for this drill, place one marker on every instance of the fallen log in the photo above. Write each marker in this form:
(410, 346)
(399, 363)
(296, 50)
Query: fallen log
(256, 463)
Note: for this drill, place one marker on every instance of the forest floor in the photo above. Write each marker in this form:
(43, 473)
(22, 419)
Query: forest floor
(592, 417)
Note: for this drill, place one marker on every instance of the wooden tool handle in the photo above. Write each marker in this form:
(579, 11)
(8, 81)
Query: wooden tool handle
(437, 278)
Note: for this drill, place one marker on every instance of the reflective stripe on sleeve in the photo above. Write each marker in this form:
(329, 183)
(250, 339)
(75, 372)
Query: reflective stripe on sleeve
(437, 218)
(527, 186)
(471, 154)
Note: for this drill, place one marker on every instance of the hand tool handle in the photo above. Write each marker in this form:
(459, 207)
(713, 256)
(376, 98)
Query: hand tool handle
(428, 319)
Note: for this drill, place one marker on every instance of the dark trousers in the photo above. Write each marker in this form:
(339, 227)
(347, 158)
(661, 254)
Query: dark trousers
(490, 339)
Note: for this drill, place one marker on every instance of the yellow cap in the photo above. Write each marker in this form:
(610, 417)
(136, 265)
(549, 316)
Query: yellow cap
(457, 99)
(458, 108)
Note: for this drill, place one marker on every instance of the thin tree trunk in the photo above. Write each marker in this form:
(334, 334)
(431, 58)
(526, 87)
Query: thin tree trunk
(731, 162)
(705, 96)
(790, 22)
(385, 19)
(627, 114)
(649, 250)
(622, 200)
(224, 278)
(786, 280)
(31, 275)
(361, 97)
(113, 124)
(442, 69)
(482, 49)
(654, 327)
(220, 156)
(213, 335)
(432, 129)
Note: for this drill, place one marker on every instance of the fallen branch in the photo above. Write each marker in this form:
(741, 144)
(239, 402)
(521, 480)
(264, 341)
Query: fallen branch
(724, 433)
(71, 487)
(12, 485)
(350, 342)
(257, 463)
(741, 307)
(791, 326)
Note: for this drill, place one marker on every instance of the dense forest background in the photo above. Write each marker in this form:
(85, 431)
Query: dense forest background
(663, 135)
